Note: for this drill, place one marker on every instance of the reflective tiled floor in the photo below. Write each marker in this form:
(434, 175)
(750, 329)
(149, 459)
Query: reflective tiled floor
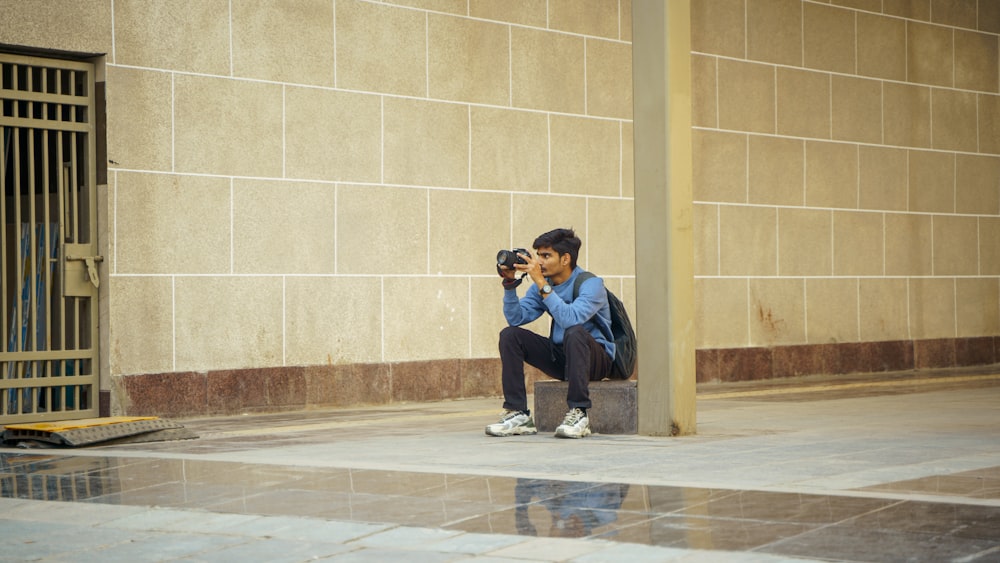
(832, 527)
(902, 469)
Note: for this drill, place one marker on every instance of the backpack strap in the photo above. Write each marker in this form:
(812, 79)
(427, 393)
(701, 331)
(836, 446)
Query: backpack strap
(580, 278)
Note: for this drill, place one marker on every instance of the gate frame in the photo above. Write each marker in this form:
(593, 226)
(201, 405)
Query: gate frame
(76, 274)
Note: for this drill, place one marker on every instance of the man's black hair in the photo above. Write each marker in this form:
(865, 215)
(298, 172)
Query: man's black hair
(563, 241)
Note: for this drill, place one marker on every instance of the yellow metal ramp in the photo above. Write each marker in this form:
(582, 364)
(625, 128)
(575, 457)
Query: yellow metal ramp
(117, 429)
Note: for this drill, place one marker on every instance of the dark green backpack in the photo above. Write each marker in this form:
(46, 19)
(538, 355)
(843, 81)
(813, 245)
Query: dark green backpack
(621, 331)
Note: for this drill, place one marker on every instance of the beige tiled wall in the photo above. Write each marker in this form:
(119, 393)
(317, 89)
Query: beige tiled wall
(328, 181)
(846, 169)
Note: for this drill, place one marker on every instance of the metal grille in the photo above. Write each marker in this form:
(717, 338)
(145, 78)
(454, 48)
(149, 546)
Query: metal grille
(48, 295)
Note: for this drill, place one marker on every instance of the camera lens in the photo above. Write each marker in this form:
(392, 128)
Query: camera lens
(510, 257)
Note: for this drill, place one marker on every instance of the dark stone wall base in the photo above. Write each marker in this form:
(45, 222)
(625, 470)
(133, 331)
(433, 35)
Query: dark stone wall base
(256, 390)
(723, 365)
(228, 392)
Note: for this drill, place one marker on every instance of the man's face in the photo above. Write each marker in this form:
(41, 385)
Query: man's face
(551, 262)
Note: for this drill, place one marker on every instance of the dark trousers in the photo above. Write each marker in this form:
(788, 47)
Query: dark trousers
(579, 360)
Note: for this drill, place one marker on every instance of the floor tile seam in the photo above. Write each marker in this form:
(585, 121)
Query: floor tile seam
(821, 527)
(979, 556)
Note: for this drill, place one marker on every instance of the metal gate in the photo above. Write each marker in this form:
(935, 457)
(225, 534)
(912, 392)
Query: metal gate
(48, 294)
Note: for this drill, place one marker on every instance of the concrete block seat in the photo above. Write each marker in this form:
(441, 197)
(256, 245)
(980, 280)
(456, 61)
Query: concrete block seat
(614, 411)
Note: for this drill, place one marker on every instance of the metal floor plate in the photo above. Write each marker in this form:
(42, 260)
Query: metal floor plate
(86, 431)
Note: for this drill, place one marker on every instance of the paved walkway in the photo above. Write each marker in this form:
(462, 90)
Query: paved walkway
(906, 468)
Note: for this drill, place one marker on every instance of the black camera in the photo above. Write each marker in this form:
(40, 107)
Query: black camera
(510, 257)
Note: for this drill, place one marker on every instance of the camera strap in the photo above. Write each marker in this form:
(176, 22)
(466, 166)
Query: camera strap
(512, 283)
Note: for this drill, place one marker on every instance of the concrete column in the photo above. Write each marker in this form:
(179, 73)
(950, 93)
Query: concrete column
(664, 237)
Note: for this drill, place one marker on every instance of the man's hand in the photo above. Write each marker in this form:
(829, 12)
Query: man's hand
(533, 268)
(510, 280)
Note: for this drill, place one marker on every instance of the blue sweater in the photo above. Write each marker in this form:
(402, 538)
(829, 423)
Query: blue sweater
(590, 309)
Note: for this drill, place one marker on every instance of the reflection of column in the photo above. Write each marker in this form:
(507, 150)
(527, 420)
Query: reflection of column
(664, 238)
(699, 535)
(680, 530)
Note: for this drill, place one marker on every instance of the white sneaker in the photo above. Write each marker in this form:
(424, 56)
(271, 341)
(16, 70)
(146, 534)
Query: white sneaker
(512, 423)
(575, 425)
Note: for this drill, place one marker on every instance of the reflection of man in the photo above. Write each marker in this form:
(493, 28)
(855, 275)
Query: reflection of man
(576, 509)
